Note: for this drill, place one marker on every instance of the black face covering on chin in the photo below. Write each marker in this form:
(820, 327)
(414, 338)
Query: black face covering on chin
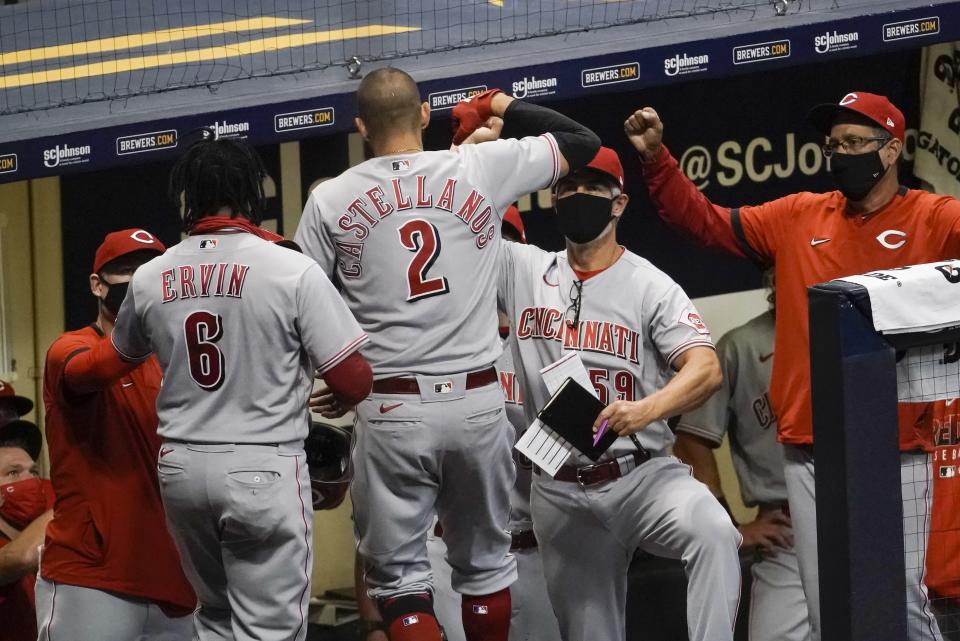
(114, 297)
(857, 174)
(583, 217)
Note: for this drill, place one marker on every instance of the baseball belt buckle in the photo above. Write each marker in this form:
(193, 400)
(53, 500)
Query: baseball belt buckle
(582, 482)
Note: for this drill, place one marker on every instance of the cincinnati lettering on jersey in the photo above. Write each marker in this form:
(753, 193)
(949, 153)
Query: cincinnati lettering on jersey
(590, 336)
(367, 210)
(207, 279)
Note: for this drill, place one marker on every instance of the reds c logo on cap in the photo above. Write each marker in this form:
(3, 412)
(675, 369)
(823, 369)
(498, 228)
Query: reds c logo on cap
(850, 98)
(143, 236)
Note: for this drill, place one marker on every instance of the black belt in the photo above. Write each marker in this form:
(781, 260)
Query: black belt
(409, 384)
(599, 472)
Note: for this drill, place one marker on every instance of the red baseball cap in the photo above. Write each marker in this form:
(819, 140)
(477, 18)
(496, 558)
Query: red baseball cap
(121, 243)
(22, 404)
(512, 217)
(869, 105)
(608, 162)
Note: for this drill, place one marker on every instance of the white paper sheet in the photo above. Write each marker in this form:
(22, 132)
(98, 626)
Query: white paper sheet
(570, 366)
(545, 448)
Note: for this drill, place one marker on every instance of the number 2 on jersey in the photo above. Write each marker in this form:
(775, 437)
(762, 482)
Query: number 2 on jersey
(202, 330)
(422, 238)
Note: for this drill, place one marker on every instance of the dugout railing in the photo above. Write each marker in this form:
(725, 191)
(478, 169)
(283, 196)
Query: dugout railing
(859, 507)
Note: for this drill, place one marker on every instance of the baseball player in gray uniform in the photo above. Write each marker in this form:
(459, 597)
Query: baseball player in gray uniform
(778, 607)
(532, 618)
(414, 238)
(239, 326)
(649, 356)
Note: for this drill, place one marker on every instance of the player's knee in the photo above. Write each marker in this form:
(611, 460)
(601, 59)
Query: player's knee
(487, 617)
(410, 617)
(710, 525)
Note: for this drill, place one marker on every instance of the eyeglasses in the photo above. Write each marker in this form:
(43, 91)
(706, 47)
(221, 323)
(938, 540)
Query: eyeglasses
(852, 144)
(576, 291)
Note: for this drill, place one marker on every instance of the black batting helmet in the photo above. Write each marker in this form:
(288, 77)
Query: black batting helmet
(328, 459)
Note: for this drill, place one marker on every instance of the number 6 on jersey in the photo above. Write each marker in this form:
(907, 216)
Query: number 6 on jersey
(420, 236)
(202, 330)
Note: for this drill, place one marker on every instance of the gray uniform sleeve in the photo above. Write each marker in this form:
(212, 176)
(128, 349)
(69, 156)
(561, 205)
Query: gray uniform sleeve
(711, 420)
(328, 330)
(505, 288)
(128, 336)
(675, 325)
(313, 238)
(512, 168)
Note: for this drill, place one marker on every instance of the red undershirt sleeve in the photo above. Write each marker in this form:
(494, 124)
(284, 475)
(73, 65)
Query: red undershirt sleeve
(350, 380)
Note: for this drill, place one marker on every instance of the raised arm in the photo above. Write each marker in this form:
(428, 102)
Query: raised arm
(577, 144)
(679, 203)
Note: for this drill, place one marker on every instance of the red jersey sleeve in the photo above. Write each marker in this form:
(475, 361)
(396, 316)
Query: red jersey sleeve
(81, 365)
(64, 350)
(682, 206)
(750, 232)
(96, 368)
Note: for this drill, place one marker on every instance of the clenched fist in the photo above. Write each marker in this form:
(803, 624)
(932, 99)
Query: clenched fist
(645, 132)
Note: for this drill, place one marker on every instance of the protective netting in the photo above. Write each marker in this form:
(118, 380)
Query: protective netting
(928, 379)
(62, 52)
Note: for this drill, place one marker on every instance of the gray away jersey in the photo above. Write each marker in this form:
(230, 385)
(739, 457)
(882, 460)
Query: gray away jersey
(634, 322)
(742, 406)
(415, 241)
(238, 324)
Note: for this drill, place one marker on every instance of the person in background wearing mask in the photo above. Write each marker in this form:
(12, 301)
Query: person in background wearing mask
(108, 562)
(870, 223)
(649, 356)
(26, 503)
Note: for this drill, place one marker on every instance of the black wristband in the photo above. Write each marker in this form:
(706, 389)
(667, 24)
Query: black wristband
(577, 143)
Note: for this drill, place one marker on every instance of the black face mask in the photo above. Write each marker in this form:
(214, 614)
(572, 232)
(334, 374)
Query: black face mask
(583, 217)
(114, 297)
(856, 174)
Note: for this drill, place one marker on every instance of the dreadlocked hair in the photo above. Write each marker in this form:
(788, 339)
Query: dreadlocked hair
(214, 174)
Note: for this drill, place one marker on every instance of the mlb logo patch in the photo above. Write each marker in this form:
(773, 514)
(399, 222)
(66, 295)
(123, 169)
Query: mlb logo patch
(410, 620)
(947, 472)
(208, 243)
(400, 165)
(443, 388)
(481, 609)
(693, 320)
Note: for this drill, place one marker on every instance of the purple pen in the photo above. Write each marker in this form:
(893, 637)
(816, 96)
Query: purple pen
(603, 428)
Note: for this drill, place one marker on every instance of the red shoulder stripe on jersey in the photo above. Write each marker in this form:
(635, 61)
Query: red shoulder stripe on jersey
(343, 353)
(685, 346)
(555, 156)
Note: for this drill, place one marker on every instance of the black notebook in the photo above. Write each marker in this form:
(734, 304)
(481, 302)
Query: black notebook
(570, 412)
